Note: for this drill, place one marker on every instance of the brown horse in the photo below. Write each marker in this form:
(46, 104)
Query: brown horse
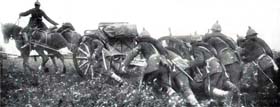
(46, 41)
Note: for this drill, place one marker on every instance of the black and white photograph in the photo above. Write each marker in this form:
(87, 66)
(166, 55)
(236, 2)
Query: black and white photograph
(140, 53)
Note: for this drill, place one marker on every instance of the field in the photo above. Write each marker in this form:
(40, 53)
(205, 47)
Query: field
(49, 89)
(19, 88)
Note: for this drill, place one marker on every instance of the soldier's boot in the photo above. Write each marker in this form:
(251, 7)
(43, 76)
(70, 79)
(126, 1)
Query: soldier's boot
(26, 40)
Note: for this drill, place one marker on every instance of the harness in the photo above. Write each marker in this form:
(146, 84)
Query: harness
(39, 30)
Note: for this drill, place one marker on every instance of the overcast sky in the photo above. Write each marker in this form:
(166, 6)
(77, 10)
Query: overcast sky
(182, 16)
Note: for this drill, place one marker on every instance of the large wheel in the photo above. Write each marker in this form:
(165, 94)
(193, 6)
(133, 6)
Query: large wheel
(85, 61)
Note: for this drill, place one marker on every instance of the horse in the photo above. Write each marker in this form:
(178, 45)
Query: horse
(50, 42)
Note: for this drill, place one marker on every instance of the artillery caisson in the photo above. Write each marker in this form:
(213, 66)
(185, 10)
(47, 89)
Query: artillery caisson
(104, 49)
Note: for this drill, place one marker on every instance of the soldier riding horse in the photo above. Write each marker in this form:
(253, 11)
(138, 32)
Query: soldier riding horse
(50, 42)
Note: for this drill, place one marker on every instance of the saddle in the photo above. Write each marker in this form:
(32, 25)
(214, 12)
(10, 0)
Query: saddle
(33, 34)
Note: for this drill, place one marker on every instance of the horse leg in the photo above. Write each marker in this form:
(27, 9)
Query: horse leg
(54, 62)
(45, 60)
(26, 65)
(61, 57)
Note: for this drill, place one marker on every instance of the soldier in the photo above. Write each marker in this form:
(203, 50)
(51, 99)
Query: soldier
(256, 50)
(151, 50)
(100, 46)
(154, 53)
(226, 52)
(35, 21)
(211, 76)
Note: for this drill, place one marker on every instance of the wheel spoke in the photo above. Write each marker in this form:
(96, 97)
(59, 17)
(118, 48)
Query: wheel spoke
(88, 66)
(87, 49)
(84, 52)
(82, 58)
(92, 72)
(83, 64)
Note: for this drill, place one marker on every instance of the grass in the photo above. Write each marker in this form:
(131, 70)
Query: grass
(56, 89)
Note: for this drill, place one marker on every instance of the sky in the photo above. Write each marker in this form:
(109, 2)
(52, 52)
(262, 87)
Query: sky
(182, 16)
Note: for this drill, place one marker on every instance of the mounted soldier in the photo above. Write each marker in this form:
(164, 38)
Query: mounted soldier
(226, 52)
(210, 76)
(35, 21)
(258, 53)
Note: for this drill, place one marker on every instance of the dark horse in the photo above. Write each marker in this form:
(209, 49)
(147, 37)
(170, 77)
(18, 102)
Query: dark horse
(44, 41)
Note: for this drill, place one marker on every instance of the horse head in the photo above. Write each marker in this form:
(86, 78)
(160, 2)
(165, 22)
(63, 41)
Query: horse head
(10, 30)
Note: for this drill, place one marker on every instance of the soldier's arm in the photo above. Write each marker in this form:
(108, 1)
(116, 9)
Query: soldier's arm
(133, 53)
(28, 12)
(49, 19)
(99, 46)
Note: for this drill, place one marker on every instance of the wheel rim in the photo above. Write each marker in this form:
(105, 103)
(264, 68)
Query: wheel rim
(85, 60)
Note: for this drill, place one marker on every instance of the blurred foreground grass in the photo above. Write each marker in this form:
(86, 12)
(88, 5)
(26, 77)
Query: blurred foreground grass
(56, 89)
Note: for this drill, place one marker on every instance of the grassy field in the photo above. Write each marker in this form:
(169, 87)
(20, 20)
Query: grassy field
(19, 88)
(55, 89)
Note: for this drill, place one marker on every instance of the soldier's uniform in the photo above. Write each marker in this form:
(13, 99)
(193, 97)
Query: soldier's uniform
(177, 77)
(35, 21)
(146, 46)
(98, 43)
(226, 52)
(210, 71)
(259, 54)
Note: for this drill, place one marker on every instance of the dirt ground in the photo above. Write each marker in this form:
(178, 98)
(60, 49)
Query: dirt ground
(55, 89)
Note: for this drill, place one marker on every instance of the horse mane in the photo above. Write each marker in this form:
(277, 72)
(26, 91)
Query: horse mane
(8, 29)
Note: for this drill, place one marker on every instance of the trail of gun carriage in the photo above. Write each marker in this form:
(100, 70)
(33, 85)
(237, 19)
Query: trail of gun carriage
(116, 65)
